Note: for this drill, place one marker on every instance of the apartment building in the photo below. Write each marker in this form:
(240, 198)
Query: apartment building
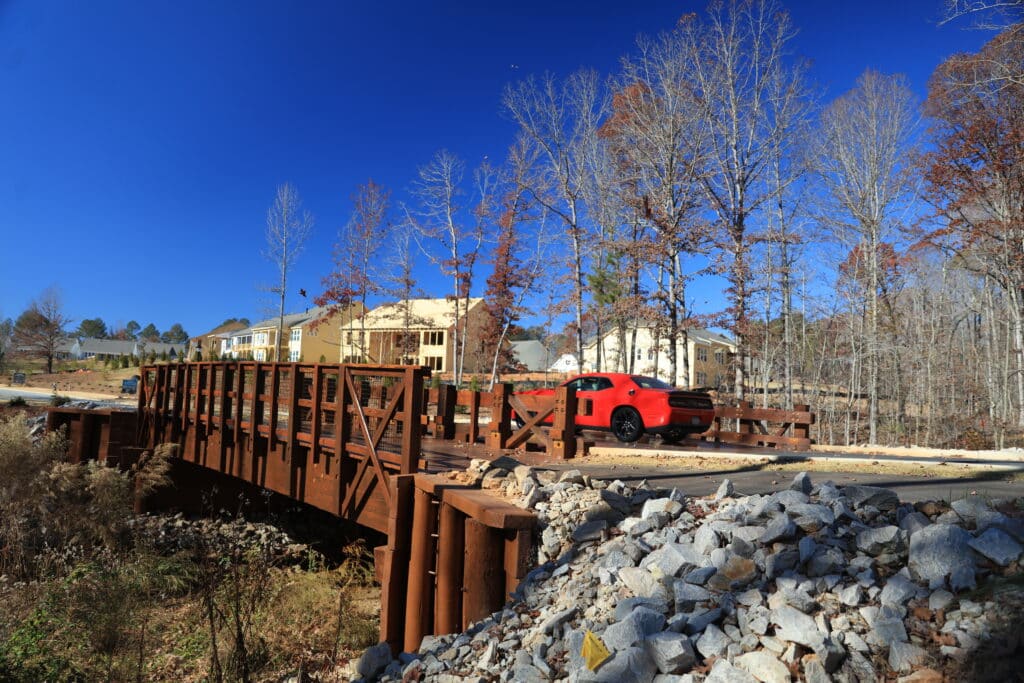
(417, 332)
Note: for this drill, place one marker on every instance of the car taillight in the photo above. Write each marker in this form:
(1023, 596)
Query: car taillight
(694, 402)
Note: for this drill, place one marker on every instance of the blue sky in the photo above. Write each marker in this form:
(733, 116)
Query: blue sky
(141, 142)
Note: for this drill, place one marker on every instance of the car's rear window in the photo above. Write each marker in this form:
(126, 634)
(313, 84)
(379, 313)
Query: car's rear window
(650, 383)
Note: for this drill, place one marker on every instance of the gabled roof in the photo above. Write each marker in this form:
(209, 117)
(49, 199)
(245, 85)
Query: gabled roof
(532, 354)
(111, 347)
(709, 337)
(694, 334)
(227, 329)
(290, 320)
(148, 347)
(424, 314)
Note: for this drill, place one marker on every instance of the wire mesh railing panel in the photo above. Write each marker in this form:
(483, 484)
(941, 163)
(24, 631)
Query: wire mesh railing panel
(374, 392)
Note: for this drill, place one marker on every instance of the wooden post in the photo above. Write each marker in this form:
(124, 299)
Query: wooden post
(411, 409)
(743, 424)
(394, 577)
(450, 548)
(518, 547)
(444, 422)
(563, 428)
(501, 416)
(802, 430)
(314, 427)
(484, 583)
(474, 416)
(419, 613)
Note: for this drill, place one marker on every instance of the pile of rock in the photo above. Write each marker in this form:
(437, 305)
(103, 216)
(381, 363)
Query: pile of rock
(171, 534)
(819, 583)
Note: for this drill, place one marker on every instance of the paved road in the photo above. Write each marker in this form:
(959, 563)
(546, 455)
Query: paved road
(755, 477)
(39, 395)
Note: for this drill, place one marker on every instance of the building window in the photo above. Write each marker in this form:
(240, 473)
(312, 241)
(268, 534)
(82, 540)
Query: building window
(293, 356)
(260, 339)
(719, 357)
(702, 378)
(260, 355)
(433, 338)
(639, 353)
(702, 354)
(296, 334)
(434, 362)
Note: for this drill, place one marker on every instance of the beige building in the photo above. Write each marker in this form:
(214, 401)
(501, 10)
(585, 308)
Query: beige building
(709, 357)
(420, 333)
(313, 336)
(215, 344)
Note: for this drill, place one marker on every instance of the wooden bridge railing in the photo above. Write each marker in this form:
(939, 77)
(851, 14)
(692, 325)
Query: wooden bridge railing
(769, 427)
(327, 435)
(791, 428)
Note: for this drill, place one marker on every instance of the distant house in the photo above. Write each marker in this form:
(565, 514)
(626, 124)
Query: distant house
(420, 333)
(709, 356)
(566, 363)
(312, 336)
(102, 349)
(216, 343)
(532, 355)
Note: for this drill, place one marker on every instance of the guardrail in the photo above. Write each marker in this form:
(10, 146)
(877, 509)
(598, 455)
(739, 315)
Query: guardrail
(769, 427)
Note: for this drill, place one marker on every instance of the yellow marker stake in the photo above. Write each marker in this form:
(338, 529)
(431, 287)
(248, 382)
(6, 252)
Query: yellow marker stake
(594, 652)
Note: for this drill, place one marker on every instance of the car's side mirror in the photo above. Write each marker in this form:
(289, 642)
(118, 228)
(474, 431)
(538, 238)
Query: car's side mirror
(632, 391)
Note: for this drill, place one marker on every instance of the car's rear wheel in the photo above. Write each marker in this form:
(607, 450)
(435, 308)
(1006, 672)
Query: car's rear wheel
(673, 435)
(627, 425)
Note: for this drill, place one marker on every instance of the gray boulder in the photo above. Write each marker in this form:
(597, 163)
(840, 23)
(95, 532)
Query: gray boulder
(713, 642)
(861, 496)
(373, 661)
(671, 652)
(724, 672)
(883, 539)
(801, 483)
(763, 666)
(998, 546)
(633, 665)
(940, 551)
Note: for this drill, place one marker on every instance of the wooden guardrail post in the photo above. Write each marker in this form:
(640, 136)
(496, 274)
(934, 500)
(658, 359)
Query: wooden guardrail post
(563, 427)
(483, 584)
(802, 430)
(419, 620)
(451, 545)
(501, 416)
(444, 421)
(395, 560)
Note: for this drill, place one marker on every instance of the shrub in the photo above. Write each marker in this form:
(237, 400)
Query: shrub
(17, 402)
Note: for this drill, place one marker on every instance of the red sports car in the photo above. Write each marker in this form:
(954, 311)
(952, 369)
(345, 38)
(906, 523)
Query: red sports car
(629, 405)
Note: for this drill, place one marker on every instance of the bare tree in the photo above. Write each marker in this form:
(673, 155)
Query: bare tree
(41, 328)
(562, 120)
(517, 264)
(439, 221)
(865, 149)
(288, 228)
(355, 276)
(658, 128)
(974, 176)
(737, 62)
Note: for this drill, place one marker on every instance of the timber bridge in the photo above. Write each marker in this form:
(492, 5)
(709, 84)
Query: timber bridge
(347, 439)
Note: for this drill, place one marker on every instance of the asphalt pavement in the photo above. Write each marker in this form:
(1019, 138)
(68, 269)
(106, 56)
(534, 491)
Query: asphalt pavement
(756, 476)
